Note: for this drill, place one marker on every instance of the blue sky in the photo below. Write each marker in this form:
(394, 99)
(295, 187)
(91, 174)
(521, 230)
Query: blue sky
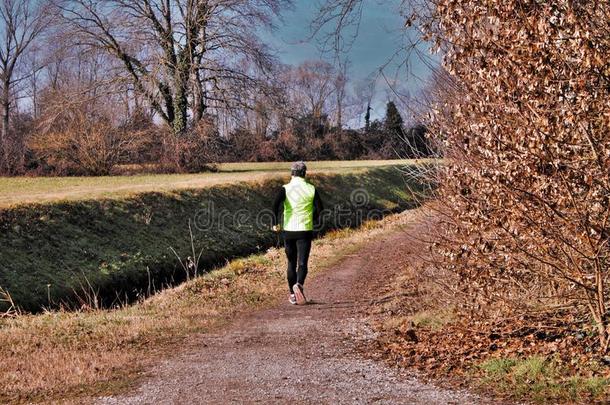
(379, 37)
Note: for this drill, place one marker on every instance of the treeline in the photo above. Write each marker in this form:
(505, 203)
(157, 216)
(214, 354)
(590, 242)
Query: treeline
(172, 85)
(87, 145)
(77, 143)
(314, 138)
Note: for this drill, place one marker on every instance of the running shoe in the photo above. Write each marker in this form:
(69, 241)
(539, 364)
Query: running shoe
(297, 289)
(292, 299)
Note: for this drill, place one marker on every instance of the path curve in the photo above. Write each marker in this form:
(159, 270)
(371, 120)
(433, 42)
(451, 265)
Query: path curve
(291, 354)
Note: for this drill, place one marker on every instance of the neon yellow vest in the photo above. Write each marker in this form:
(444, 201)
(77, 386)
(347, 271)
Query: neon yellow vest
(298, 205)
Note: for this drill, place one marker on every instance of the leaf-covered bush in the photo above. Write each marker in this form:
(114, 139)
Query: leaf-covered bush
(524, 121)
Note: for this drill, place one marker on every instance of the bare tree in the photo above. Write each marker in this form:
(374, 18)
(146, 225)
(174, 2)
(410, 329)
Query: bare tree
(341, 14)
(364, 92)
(182, 55)
(21, 23)
(340, 85)
(313, 84)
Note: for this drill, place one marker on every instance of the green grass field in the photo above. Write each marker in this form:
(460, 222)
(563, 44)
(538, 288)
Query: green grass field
(20, 190)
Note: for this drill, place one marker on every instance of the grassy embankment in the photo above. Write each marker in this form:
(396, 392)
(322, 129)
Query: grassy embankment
(23, 190)
(107, 251)
(70, 357)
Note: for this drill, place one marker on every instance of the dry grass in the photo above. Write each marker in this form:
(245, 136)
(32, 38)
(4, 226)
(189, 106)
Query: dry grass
(20, 190)
(73, 356)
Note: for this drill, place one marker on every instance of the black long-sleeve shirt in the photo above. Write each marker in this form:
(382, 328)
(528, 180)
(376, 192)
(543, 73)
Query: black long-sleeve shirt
(278, 208)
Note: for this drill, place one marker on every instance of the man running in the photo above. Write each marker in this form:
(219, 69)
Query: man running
(302, 206)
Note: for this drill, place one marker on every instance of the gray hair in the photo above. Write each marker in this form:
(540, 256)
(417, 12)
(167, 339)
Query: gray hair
(298, 169)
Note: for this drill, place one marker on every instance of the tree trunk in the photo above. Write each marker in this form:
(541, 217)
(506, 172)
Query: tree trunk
(180, 110)
(181, 96)
(339, 115)
(5, 105)
(199, 105)
(35, 96)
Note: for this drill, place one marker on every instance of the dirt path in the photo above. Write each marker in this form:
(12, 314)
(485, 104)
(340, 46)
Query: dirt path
(303, 354)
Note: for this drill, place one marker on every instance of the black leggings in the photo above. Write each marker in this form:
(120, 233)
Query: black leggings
(297, 252)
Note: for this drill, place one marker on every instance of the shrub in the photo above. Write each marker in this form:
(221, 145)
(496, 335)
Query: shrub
(79, 137)
(195, 150)
(524, 126)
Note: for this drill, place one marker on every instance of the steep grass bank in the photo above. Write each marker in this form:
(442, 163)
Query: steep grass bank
(27, 190)
(69, 357)
(104, 252)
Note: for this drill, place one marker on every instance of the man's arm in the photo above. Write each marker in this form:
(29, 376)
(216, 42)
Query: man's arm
(278, 205)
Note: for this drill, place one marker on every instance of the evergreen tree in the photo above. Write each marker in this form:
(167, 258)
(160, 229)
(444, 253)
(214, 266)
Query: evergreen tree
(394, 144)
(393, 120)
(367, 118)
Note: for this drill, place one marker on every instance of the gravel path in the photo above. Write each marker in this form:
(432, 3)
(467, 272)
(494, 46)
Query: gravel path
(292, 354)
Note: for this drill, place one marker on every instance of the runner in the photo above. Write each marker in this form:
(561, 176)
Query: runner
(302, 206)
